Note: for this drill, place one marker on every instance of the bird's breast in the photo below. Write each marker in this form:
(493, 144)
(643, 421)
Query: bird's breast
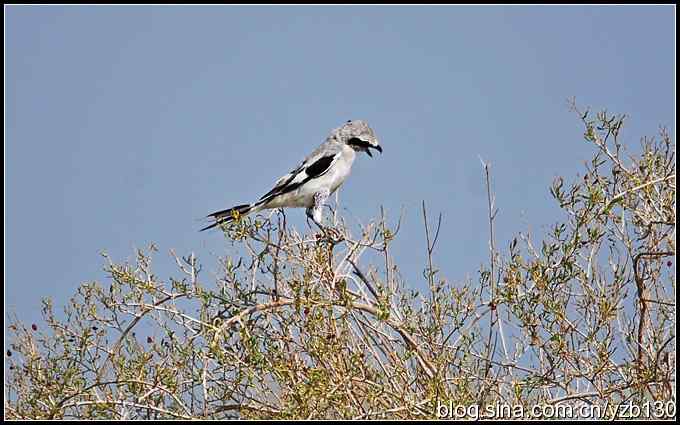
(342, 169)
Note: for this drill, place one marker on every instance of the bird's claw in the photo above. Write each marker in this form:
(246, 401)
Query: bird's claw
(332, 235)
(329, 234)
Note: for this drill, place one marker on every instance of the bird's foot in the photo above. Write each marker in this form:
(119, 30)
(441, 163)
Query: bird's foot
(328, 234)
(333, 235)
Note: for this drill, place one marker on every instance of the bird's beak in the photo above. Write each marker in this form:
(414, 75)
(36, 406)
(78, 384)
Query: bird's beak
(378, 148)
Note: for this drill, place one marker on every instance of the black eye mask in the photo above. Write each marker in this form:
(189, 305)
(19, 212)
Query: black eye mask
(355, 141)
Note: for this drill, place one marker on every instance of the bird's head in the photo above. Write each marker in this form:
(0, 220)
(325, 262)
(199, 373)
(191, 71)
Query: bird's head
(357, 135)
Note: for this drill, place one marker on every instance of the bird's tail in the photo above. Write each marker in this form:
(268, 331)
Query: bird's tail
(228, 215)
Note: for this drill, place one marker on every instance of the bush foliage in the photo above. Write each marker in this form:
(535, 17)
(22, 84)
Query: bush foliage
(302, 326)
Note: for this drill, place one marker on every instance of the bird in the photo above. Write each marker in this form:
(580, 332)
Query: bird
(319, 175)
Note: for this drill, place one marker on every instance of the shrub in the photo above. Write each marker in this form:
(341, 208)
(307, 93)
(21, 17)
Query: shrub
(300, 326)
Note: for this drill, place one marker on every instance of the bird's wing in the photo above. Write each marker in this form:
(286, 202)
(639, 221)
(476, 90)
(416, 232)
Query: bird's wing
(315, 165)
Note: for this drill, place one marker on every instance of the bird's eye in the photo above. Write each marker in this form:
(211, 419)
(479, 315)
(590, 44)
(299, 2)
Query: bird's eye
(349, 121)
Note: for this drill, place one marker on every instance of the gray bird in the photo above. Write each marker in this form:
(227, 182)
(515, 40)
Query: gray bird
(320, 174)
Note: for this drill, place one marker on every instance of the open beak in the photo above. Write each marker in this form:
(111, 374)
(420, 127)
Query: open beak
(378, 148)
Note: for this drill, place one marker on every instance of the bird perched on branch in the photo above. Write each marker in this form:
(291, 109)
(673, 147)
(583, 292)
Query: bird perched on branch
(311, 183)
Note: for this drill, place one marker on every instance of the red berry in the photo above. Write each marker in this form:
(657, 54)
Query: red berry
(34, 327)
(669, 263)
(149, 340)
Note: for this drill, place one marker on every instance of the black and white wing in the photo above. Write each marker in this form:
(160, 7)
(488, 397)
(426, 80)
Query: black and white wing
(316, 165)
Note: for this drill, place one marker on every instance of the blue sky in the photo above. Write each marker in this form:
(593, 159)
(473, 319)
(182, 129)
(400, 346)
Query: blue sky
(125, 125)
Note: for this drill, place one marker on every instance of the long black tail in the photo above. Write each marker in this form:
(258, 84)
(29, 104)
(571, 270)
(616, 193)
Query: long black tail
(225, 216)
